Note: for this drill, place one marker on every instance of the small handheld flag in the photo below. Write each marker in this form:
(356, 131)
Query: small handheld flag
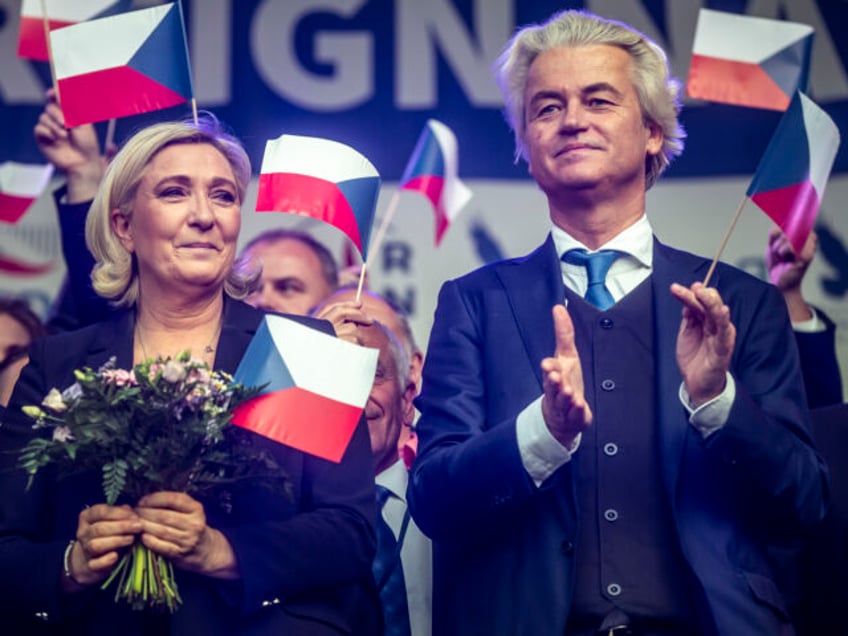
(749, 61)
(432, 170)
(32, 43)
(20, 185)
(322, 179)
(790, 180)
(316, 387)
(126, 64)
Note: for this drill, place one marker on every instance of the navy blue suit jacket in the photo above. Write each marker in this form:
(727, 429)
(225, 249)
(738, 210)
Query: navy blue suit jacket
(313, 553)
(504, 549)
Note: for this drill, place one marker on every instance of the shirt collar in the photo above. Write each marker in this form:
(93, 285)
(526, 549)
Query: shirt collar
(636, 241)
(394, 478)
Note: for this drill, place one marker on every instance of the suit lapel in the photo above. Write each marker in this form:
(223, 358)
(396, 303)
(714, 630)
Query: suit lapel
(533, 286)
(671, 266)
(112, 339)
(240, 324)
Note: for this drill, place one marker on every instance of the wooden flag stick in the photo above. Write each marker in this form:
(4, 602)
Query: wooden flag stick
(724, 240)
(46, 23)
(361, 281)
(110, 137)
(374, 245)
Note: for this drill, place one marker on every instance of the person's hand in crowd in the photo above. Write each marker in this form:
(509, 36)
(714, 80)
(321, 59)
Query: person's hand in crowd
(786, 270)
(349, 276)
(705, 341)
(346, 317)
(75, 152)
(174, 525)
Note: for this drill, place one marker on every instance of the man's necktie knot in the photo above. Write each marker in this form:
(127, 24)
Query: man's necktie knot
(597, 265)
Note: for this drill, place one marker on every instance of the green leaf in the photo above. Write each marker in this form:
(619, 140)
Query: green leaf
(114, 480)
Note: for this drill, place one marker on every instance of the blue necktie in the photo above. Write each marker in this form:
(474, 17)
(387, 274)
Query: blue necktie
(597, 265)
(388, 573)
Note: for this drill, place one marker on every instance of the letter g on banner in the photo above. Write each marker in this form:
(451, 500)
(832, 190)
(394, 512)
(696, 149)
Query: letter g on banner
(350, 55)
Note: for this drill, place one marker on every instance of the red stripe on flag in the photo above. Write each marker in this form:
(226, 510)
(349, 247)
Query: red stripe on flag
(431, 186)
(112, 93)
(13, 207)
(732, 82)
(31, 42)
(301, 419)
(23, 269)
(307, 196)
(793, 208)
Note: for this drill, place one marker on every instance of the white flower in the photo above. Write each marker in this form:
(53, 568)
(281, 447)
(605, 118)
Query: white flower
(54, 401)
(62, 434)
(173, 371)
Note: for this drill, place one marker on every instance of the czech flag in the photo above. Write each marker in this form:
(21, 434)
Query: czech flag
(432, 170)
(126, 64)
(323, 179)
(749, 61)
(20, 185)
(790, 180)
(316, 387)
(32, 44)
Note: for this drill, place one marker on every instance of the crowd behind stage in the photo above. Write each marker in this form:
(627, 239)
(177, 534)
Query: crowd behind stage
(510, 506)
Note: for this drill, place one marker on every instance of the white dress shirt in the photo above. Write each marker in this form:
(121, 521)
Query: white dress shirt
(416, 552)
(541, 453)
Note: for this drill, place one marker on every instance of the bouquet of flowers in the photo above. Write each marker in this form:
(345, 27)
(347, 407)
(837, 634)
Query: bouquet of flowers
(164, 425)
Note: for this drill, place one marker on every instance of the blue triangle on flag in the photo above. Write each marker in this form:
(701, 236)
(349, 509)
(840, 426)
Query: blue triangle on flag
(163, 56)
(361, 195)
(120, 6)
(428, 158)
(262, 364)
(789, 68)
(786, 160)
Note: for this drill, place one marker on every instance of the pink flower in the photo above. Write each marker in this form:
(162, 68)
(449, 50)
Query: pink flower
(119, 377)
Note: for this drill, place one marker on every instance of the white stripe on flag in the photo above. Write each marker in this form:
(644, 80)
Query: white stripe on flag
(321, 158)
(23, 179)
(823, 139)
(326, 365)
(456, 193)
(105, 43)
(744, 38)
(65, 10)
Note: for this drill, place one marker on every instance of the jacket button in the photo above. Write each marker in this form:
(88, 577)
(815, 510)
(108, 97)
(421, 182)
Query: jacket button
(608, 385)
(567, 548)
(606, 323)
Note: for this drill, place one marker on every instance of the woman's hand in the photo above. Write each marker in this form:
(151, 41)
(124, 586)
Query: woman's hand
(174, 525)
(102, 533)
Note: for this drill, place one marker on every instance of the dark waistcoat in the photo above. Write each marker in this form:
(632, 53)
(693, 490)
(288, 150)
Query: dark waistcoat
(628, 555)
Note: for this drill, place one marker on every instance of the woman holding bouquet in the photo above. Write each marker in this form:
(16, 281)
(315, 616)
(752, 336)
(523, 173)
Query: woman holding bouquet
(163, 229)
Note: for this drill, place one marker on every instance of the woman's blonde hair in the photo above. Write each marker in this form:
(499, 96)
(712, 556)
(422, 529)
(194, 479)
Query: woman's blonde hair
(658, 91)
(114, 275)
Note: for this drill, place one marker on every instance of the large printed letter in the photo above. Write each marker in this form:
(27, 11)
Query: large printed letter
(350, 56)
(424, 27)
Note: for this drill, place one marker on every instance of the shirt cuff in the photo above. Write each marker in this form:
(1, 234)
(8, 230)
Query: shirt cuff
(811, 325)
(712, 415)
(541, 453)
